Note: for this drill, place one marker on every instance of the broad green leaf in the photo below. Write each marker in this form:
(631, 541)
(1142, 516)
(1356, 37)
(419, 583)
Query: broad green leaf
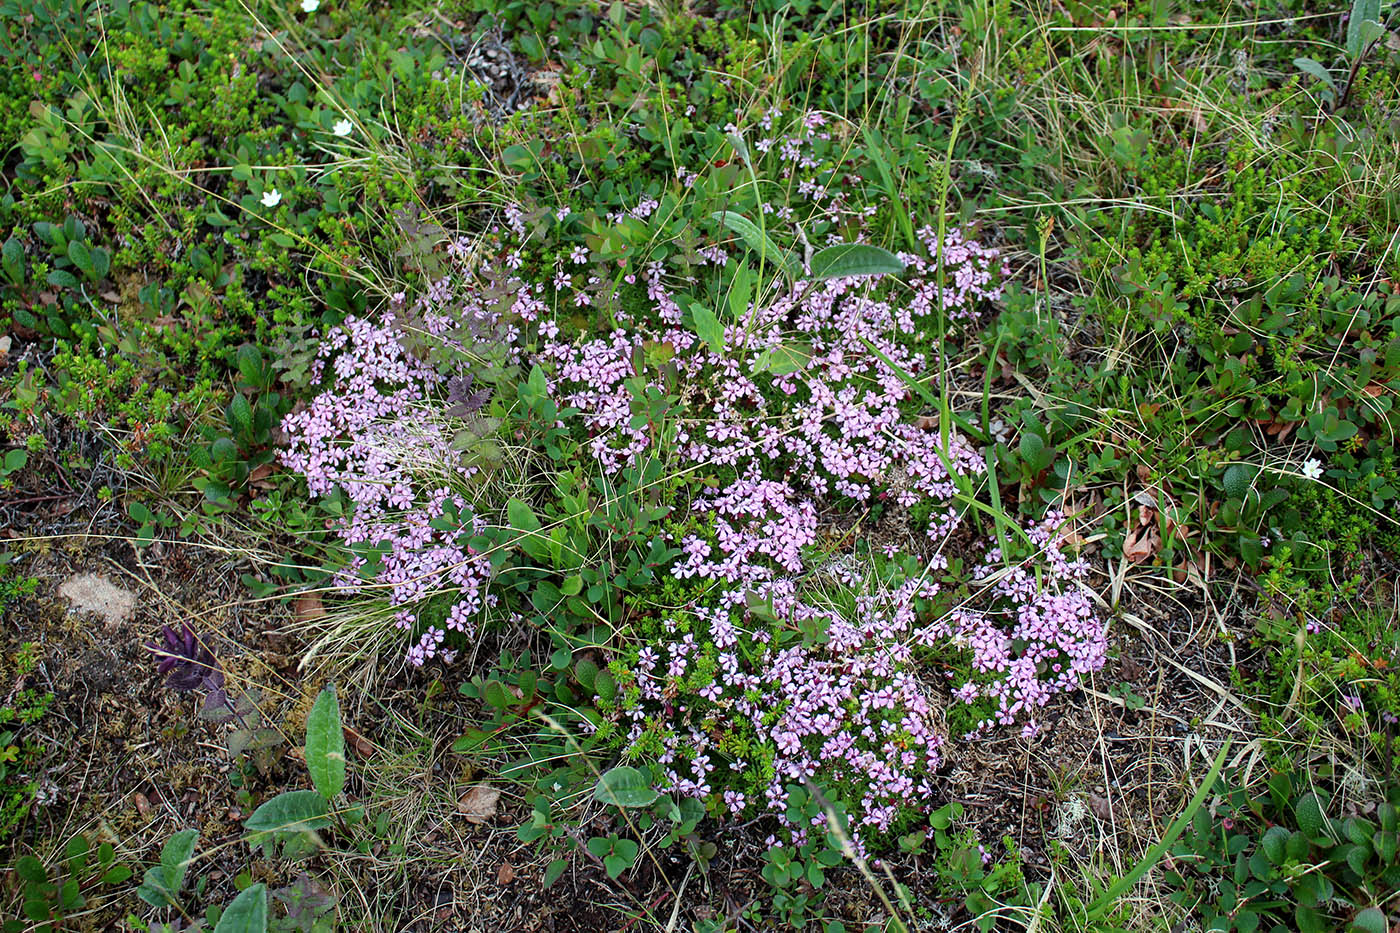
(12, 258)
(1274, 842)
(289, 812)
(741, 148)
(62, 278)
(759, 241)
(30, 869)
(1370, 920)
(240, 415)
(624, 786)
(250, 363)
(1358, 36)
(553, 871)
(1236, 481)
(740, 292)
(1319, 72)
(847, 259)
(325, 745)
(708, 328)
(175, 858)
(81, 257)
(523, 520)
(1308, 920)
(791, 357)
(247, 913)
(1308, 811)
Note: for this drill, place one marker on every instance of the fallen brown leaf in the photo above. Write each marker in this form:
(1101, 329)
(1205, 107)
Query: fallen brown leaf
(362, 746)
(478, 804)
(308, 607)
(506, 875)
(1141, 543)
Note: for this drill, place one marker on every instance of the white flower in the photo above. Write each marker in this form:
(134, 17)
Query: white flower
(342, 128)
(271, 198)
(1312, 469)
(309, 6)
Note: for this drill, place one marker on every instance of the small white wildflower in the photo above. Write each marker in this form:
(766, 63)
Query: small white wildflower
(271, 198)
(1312, 468)
(343, 127)
(309, 6)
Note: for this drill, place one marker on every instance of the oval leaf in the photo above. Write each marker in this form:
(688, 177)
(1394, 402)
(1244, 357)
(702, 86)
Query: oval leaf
(1315, 68)
(758, 241)
(325, 745)
(292, 811)
(847, 259)
(708, 328)
(625, 786)
(247, 913)
(175, 858)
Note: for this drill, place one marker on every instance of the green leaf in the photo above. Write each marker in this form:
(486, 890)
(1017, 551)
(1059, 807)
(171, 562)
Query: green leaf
(250, 364)
(81, 256)
(518, 157)
(153, 889)
(523, 520)
(12, 259)
(790, 357)
(495, 694)
(1274, 843)
(62, 278)
(759, 241)
(175, 858)
(708, 328)
(553, 872)
(604, 686)
(1315, 68)
(847, 259)
(325, 745)
(1309, 920)
(240, 415)
(1031, 447)
(1370, 920)
(586, 673)
(1358, 35)
(289, 812)
(1237, 481)
(30, 869)
(116, 874)
(741, 148)
(247, 913)
(1308, 812)
(625, 786)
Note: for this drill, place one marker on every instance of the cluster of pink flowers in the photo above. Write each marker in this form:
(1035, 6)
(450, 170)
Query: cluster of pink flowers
(378, 435)
(853, 713)
(802, 406)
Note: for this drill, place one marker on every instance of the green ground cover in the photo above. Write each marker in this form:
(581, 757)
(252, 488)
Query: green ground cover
(857, 466)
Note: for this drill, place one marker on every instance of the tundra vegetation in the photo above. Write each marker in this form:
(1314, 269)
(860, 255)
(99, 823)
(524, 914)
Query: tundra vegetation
(716, 466)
